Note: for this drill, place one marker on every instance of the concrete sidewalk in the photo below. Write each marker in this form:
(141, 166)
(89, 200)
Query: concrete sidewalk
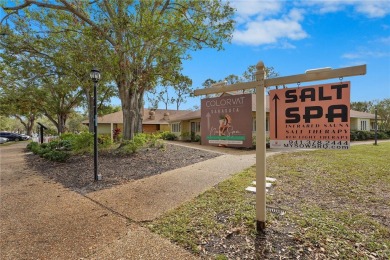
(40, 219)
(148, 198)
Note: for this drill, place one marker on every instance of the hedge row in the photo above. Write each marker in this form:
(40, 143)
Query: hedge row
(368, 135)
(72, 144)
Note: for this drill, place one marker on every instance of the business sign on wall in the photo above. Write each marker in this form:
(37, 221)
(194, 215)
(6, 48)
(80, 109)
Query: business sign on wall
(227, 120)
(311, 117)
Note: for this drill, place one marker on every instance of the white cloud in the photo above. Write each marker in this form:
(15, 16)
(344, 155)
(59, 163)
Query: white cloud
(373, 8)
(268, 31)
(369, 8)
(248, 8)
(265, 22)
(384, 40)
(280, 45)
(366, 54)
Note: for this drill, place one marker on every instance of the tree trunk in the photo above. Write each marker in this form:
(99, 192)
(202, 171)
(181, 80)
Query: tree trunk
(30, 124)
(139, 127)
(61, 127)
(129, 110)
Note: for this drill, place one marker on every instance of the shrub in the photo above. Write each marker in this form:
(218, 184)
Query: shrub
(366, 135)
(33, 147)
(67, 136)
(117, 134)
(131, 146)
(58, 156)
(197, 138)
(382, 135)
(54, 151)
(104, 140)
(82, 142)
(168, 136)
(155, 140)
(186, 136)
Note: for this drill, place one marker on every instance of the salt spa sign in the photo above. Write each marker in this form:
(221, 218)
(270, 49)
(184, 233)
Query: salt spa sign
(311, 117)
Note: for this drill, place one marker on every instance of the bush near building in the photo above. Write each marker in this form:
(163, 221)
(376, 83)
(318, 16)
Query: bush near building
(368, 135)
(75, 144)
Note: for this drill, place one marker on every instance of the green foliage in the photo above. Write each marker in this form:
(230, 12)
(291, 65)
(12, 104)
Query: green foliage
(54, 151)
(197, 138)
(168, 136)
(58, 156)
(131, 146)
(82, 143)
(190, 25)
(141, 140)
(154, 140)
(75, 123)
(363, 106)
(185, 136)
(356, 135)
(104, 140)
(64, 145)
(33, 147)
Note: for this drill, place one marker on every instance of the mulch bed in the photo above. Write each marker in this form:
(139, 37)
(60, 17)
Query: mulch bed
(77, 173)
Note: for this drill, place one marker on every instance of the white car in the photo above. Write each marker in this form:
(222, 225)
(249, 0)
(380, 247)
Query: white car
(3, 140)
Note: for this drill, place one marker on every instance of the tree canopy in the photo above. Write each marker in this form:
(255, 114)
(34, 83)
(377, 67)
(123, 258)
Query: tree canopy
(146, 40)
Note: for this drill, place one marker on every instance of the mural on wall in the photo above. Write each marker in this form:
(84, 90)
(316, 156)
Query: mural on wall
(227, 120)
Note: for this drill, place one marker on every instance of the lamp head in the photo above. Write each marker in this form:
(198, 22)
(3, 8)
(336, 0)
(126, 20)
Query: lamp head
(95, 75)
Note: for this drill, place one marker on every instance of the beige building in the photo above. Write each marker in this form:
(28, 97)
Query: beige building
(186, 123)
(153, 121)
(362, 121)
(191, 122)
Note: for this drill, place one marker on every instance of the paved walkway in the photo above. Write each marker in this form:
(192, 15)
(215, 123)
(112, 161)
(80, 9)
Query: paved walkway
(40, 219)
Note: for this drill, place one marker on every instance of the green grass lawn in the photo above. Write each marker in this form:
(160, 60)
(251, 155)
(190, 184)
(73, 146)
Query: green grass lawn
(337, 205)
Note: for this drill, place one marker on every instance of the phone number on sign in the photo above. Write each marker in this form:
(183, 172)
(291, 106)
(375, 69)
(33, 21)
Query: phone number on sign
(310, 144)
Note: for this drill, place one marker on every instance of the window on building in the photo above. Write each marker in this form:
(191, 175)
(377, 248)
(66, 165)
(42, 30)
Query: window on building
(175, 128)
(363, 125)
(197, 127)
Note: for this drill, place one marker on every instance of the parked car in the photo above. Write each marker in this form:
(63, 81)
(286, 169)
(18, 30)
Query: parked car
(11, 136)
(25, 137)
(3, 140)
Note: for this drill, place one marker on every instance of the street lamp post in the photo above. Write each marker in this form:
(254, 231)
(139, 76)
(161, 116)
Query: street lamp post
(95, 76)
(376, 127)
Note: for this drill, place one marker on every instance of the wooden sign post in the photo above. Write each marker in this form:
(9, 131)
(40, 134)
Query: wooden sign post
(260, 85)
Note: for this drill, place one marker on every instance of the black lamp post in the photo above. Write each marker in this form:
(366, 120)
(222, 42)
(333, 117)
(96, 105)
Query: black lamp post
(95, 76)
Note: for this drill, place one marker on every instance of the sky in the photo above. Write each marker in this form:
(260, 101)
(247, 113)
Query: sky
(295, 36)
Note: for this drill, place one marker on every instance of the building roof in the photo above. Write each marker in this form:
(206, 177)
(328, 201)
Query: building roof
(161, 117)
(358, 114)
(190, 115)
